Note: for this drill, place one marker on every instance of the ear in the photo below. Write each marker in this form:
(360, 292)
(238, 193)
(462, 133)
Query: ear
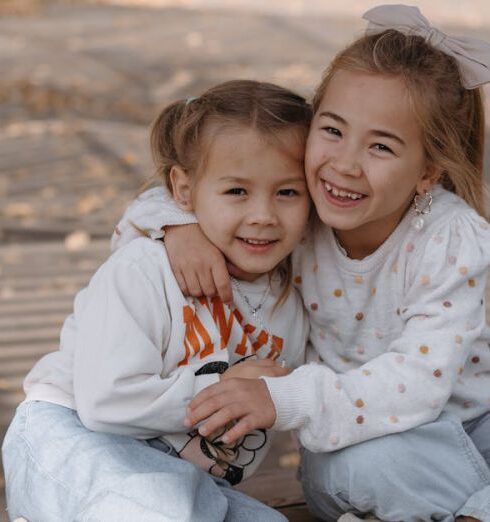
(181, 187)
(431, 176)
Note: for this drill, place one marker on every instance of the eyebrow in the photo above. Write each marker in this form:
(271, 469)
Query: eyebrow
(235, 179)
(376, 132)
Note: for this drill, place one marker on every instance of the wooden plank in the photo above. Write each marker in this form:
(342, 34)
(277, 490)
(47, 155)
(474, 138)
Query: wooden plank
(31, 321)
(38, 306)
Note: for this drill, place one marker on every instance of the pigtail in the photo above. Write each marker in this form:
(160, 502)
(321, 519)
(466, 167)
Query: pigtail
(163, 142)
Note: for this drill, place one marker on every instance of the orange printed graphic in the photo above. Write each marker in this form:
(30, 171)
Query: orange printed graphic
(197, 341)
(262, 339)
(276, 347)
(192, 345)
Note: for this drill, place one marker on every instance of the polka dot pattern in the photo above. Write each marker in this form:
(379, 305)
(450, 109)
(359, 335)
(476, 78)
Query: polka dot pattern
(369, 327)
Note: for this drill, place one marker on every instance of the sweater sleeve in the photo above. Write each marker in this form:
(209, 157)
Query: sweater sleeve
(147, 215)
(123, 326)
(410, 383)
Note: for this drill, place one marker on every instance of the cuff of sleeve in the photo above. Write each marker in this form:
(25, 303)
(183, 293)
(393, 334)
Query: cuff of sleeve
(291, 399)
(203, 381)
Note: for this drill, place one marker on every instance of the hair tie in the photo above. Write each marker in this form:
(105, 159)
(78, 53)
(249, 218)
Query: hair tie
(472, 55)
(190, 100)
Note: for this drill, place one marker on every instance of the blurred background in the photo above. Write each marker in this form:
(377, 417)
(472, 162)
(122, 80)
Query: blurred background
(80, 83)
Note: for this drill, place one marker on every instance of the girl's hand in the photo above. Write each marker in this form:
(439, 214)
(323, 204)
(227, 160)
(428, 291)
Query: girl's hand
(199, 267)
(253, 369)
(246, 401)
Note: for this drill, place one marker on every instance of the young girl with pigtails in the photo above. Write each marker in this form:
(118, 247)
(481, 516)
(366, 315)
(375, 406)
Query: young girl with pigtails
(101, 434)
(393, 409)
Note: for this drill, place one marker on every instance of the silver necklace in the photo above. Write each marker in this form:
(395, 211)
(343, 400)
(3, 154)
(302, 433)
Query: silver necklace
(254, 310)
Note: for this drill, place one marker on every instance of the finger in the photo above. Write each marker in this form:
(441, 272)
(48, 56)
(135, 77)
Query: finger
(279, 371)
(216, 390)
(181, 282)
(222, 282)
(244, 426)
(207, 284)
(221, 418)
(267, 363)
(193, 285)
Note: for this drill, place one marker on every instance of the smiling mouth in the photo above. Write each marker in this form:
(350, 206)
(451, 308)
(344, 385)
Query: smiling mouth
(257, 242)
(342, 193)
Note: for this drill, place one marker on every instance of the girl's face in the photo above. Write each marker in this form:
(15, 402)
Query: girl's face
(364, 159)
(250, 197)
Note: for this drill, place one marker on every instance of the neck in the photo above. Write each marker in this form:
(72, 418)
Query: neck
(366, 239)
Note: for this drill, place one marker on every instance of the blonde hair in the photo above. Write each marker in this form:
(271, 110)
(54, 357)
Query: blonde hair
(451, 117)
(178, 135)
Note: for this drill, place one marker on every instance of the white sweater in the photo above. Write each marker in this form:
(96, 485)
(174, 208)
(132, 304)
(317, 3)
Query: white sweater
(396, 338)
(135, 351)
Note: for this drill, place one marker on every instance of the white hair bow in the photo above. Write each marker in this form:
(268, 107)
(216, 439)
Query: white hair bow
(472, 55)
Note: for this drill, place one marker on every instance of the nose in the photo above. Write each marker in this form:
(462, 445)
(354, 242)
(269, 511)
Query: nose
(346, 161)
(262, 212)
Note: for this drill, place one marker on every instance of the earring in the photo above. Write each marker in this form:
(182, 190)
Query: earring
(421, 205)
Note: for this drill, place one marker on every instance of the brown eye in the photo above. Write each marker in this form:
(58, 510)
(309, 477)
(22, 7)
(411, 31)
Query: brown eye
(382, 148)
(236, 191)
(332, 130)
(289, 193)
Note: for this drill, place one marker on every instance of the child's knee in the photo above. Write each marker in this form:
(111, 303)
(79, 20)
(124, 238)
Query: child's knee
(352, 476)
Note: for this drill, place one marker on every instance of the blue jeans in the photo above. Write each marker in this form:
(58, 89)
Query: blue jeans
(433, 472)
(58, 471)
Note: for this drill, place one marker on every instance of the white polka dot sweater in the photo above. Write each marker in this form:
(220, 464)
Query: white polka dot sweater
(397, 337)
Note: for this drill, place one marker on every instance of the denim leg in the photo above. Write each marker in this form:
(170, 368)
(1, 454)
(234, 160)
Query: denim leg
(426, 473)
(57, 470)
(478, 505)
(242, 508)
